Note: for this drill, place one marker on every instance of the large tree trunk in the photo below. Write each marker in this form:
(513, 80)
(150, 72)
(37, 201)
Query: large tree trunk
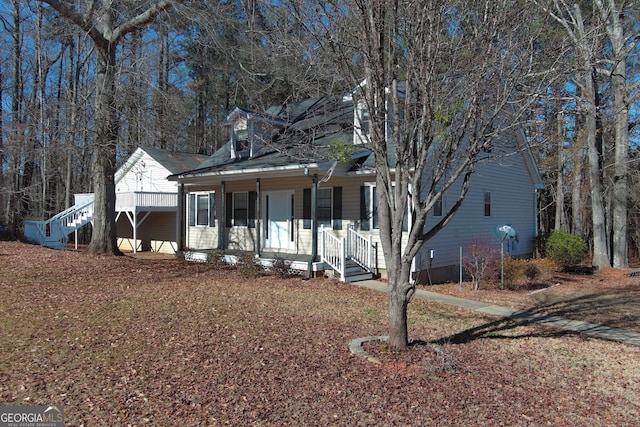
(104, 238)
(615, 30)
(560, 216)
(577, 194)
(600, 247)
(620, 187)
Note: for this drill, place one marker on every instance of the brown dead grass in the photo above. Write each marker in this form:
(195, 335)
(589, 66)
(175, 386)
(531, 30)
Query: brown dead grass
(146, 341)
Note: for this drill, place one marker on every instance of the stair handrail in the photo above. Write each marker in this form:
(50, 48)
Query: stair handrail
(75, 208)
(333, 252)
(359, 249)
(36, 231)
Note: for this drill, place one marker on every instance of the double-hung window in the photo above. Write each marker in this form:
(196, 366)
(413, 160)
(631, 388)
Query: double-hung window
(437, 207)
(328, 207)
(240, 209)
(202, 209)
(368, 207)
(487, 203)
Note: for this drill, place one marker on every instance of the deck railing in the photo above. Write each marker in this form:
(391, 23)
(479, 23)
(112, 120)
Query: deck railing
(131, 200)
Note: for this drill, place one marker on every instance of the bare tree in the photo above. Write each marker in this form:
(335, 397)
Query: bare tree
(107, 22)
(623, 42)
(586, 38)
(440, 83)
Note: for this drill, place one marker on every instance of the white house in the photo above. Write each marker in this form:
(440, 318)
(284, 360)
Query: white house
(146, 205)
(147, 202)
(274, 190)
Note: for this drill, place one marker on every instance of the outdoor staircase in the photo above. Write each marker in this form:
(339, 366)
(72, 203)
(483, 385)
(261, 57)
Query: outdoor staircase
(354, 272)
(350, 257)
(54, 232)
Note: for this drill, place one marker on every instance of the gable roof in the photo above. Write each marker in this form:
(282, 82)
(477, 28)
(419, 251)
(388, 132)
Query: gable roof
(308, 129)
(175, 161)
(312, 126)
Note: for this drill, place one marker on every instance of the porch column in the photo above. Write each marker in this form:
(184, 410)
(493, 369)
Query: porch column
(135, 230)
(314, 218)
(258, 216)
(180, 219)
(222, 218)
(314, 224)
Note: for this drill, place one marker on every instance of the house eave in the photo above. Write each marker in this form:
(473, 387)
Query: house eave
(243, 174)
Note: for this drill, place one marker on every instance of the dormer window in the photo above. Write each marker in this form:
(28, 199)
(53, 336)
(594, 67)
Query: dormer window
(364, 121)
(242, 140)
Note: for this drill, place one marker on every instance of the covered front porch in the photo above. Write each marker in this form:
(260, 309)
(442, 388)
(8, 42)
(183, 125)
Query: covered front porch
(348, 259)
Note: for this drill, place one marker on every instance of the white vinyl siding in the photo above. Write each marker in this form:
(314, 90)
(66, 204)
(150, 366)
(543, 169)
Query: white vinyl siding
(147, 175)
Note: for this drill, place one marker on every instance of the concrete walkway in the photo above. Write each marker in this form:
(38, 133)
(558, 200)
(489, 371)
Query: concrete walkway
(592, 329)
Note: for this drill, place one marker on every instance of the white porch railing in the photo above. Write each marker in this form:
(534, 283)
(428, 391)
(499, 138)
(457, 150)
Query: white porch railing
(127, 201)
(335, 251)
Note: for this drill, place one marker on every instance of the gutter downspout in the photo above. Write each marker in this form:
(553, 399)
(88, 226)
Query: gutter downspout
(314, 222)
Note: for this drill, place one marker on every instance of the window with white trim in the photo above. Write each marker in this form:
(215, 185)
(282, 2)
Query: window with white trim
(202, 209)
(241, 208)
(368, 207)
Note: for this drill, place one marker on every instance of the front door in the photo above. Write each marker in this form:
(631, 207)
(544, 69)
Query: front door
(278, 220)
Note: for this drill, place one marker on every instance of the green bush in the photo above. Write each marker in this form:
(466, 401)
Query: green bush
(566, 249)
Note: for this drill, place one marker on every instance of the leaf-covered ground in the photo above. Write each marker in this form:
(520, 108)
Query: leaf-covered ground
(150, 341)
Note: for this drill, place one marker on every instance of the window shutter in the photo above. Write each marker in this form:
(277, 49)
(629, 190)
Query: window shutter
(192, 210)
(228, 209)
(212, 209)
(252, 209)
(364, 208)
(337, 208)
(306, 208)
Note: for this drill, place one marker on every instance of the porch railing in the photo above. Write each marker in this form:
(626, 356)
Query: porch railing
(335, 250)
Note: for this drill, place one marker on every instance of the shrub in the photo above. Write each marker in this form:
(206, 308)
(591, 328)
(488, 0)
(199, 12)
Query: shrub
(532, 272)
(514, 272)
(479, 256)
(215, 257)
(566, 249)
(281, 268)
(248, 267)
(519, 272)
(546, 266)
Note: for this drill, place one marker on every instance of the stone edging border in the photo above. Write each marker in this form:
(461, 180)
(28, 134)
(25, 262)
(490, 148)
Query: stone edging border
(355, 346)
